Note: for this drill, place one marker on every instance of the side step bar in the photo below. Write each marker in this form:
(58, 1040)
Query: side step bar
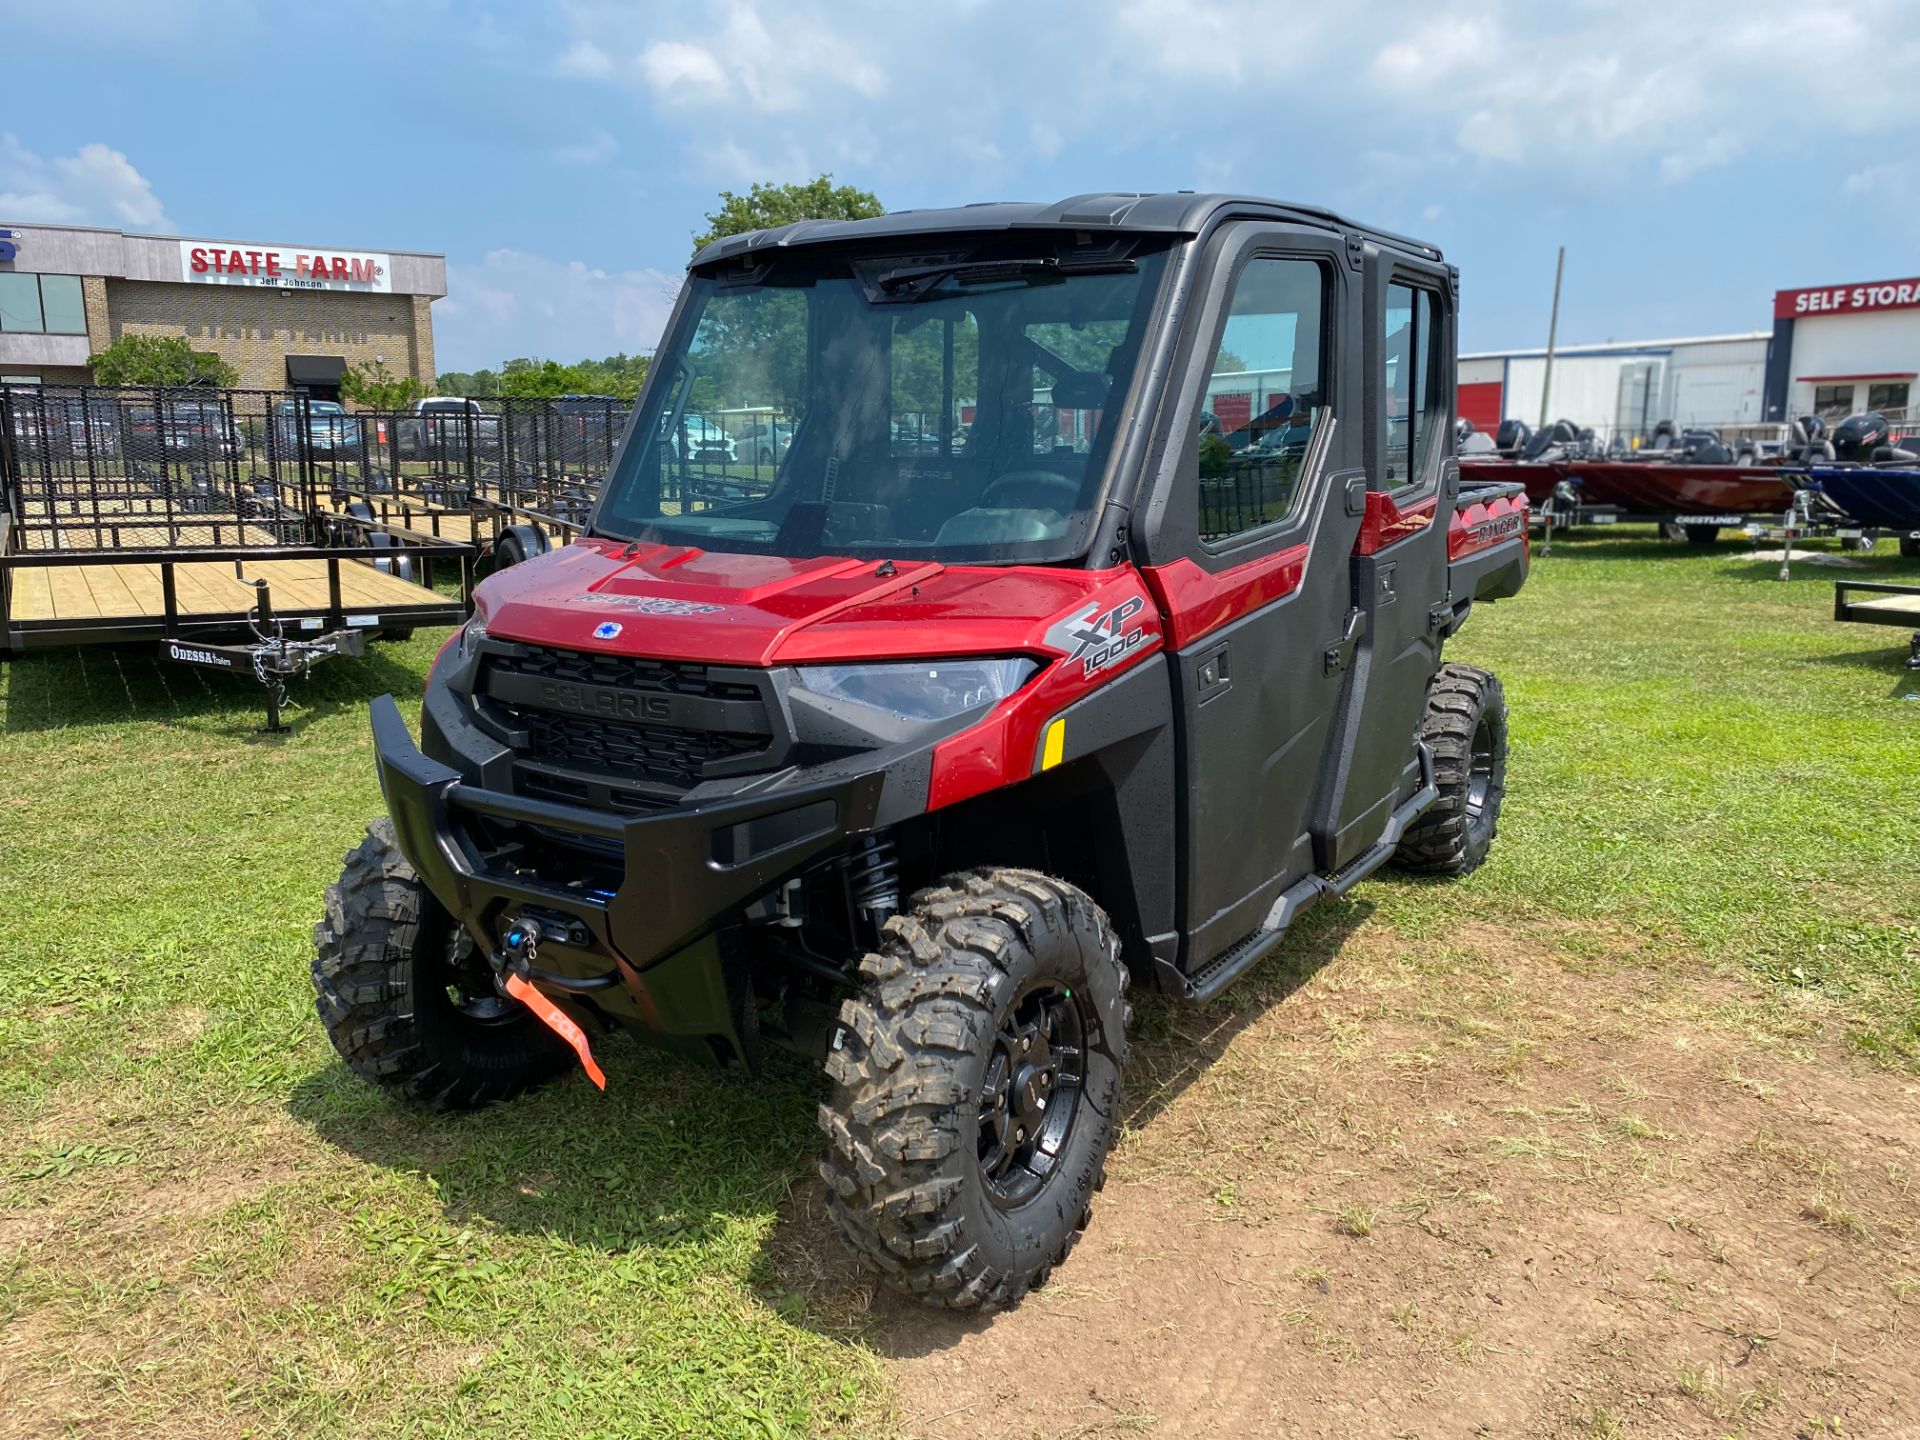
(1216, 976)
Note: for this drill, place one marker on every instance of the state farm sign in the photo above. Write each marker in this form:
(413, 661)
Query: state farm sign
(204, 263)
(1839, 299)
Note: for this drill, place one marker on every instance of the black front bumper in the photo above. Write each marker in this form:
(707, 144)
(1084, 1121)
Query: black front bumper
(650, 890)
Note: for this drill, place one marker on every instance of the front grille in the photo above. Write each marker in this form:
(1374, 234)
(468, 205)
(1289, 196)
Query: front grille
(611, 741)
(670, 677)
(666, 754)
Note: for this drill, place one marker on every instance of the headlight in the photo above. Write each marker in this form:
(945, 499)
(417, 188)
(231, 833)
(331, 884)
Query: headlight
(472, 633)
(921, 689)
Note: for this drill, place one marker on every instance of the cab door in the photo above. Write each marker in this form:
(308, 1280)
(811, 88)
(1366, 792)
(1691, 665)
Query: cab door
(1249, 531)
(1399, 557)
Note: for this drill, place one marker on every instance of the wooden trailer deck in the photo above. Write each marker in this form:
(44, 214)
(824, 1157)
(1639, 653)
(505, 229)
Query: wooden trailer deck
(1859, 602)
(130, 589)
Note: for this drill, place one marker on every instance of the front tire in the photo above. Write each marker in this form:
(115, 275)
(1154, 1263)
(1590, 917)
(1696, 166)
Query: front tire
(1466, 729)
(952, 1165)
(405, 1000)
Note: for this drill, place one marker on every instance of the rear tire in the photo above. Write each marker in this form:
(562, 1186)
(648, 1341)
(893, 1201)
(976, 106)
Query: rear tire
(1466, 729)
(1910, 547)
(1701, 534)
(387, 961)
(952, 1167)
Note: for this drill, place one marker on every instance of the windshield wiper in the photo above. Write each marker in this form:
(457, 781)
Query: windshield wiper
(917, 282)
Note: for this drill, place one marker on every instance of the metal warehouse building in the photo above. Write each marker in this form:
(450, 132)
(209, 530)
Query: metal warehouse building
(1624, 388)
(282, 315)
(1833, 350)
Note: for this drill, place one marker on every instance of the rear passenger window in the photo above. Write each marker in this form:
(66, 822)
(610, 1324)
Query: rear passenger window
(1415, 398)
(1264, 400)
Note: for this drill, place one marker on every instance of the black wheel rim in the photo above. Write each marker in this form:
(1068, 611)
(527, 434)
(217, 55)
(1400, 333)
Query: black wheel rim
(469, 980)
(1480, 769)
(1030, 1092)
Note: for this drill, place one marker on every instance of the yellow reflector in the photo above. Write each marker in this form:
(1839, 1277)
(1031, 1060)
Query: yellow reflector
(1056, 743)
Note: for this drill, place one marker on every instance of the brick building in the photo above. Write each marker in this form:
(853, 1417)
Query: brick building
(284, 316)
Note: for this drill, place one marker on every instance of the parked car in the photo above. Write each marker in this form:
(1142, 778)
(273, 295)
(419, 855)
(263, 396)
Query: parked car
(585, 428)
(183, 428)
(912, 438)
(330, 430)
(765, 442)
(701, 438)
(445, 425)
(92, 425)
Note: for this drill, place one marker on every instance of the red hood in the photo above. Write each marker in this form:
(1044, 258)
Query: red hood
(676, 603)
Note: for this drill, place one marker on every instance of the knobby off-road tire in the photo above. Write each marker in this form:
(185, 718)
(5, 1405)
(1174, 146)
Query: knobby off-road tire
(388, 960)
(931, 1083)
(1466, 729)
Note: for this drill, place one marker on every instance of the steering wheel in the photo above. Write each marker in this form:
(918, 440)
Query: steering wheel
(1054, 491)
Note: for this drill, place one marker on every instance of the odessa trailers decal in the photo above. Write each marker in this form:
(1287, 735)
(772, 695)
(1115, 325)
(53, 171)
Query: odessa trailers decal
(1099, 636)
(198, 655)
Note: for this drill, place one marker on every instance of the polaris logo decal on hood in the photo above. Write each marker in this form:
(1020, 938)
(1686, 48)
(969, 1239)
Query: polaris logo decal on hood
(647, 604)
(1098, 636)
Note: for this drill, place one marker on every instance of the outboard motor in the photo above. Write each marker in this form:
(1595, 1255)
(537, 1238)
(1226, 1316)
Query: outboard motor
(1705, 447)
(1469, 439)
(1512, 437)
(1858, 436)
(1555, 442)
(1809, 442)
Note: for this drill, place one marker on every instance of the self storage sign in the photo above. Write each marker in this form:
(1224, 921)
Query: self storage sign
(1845, 299)
(285, 268)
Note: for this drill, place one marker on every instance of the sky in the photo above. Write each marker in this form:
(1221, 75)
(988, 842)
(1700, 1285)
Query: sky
(1692, 155)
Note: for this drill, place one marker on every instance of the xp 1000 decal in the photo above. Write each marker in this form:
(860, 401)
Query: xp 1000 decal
(1101, 635)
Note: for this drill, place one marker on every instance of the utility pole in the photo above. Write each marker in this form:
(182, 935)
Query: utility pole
(1553, 333)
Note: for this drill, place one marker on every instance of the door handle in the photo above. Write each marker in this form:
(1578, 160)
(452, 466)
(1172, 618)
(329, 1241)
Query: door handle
(1340, 654)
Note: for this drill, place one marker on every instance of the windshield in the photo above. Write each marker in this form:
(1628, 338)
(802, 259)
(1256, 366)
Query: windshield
(888, 408)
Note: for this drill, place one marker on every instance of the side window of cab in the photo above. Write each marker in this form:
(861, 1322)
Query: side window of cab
(1416, 400)
(1265, 398)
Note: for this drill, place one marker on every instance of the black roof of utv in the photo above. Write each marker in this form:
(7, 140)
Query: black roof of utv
(1179, 213)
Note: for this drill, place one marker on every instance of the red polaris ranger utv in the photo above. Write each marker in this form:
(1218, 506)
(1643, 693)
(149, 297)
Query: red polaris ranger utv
(986, 608)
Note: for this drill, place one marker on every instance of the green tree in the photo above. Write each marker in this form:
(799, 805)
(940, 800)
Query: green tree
(541, 379)
(765, 206)
(159, 360)
(378, 388)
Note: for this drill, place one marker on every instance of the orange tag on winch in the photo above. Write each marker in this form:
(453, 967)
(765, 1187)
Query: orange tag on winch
(555, 1019)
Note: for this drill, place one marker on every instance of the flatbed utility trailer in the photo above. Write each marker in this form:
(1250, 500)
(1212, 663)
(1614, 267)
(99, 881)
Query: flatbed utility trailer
(1859, 602)
(513, 480)
(221, 557)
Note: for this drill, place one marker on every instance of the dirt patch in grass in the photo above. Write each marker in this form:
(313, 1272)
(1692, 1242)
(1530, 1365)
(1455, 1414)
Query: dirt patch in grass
(1512, 1184)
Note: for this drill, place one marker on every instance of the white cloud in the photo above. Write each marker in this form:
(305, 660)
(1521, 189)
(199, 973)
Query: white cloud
(585, 60)
(1593, 88)
(511, 303)
(596, 147)
(96, 185)
(679, 72)
(953, 95)
(1876, 180)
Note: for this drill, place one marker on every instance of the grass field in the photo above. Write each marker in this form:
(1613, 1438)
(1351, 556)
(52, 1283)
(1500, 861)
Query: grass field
(208, 1228)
